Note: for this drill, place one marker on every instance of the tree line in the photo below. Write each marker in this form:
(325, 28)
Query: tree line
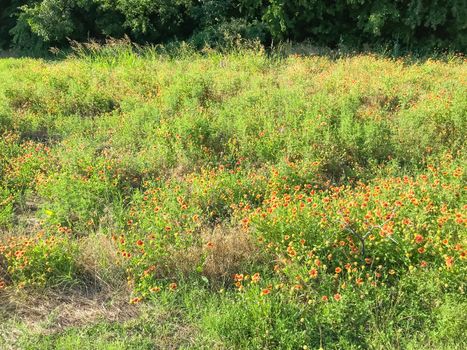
(404, 24)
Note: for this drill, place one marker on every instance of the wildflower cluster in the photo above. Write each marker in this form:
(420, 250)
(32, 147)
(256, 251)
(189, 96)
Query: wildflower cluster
(39, 261)
(323, 241)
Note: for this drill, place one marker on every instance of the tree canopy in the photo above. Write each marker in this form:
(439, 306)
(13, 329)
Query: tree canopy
(408, 24)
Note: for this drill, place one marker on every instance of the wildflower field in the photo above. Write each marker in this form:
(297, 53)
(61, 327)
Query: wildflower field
(242, 200)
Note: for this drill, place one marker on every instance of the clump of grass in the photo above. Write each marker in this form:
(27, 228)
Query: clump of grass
(98, 259)
(221, 254)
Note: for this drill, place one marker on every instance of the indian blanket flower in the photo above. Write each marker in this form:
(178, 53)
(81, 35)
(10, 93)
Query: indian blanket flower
(238, 277)
(255, 278)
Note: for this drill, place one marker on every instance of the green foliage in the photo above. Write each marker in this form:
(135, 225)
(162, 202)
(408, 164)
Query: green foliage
(56, 258)
(403, 25)
(6, 206)
(408, 315)
(406, 24)
(49, 19)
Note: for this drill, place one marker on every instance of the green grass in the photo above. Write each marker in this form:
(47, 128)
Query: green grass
(236, 200)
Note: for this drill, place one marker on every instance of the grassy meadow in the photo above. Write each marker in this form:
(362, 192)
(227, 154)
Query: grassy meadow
(241, 200)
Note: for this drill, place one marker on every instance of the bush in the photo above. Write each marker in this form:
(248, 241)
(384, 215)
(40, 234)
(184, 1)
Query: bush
(401, 26)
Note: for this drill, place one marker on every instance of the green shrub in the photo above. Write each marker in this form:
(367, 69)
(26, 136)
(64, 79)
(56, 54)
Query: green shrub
(41, 261)
(401, 26)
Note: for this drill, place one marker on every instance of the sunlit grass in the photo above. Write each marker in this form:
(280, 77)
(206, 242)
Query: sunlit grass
(271, 200)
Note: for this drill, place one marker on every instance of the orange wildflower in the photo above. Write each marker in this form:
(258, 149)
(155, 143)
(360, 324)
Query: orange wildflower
(255, 278)
(291, 251)
(419, 238)
(19, 253)
(238, 277)
(449, 261)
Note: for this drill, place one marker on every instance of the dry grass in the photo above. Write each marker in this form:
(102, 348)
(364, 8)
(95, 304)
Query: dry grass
(105, 296)
(23, 314)
(100, 262)
(54, 312)
(224, 252)
(227, 252)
